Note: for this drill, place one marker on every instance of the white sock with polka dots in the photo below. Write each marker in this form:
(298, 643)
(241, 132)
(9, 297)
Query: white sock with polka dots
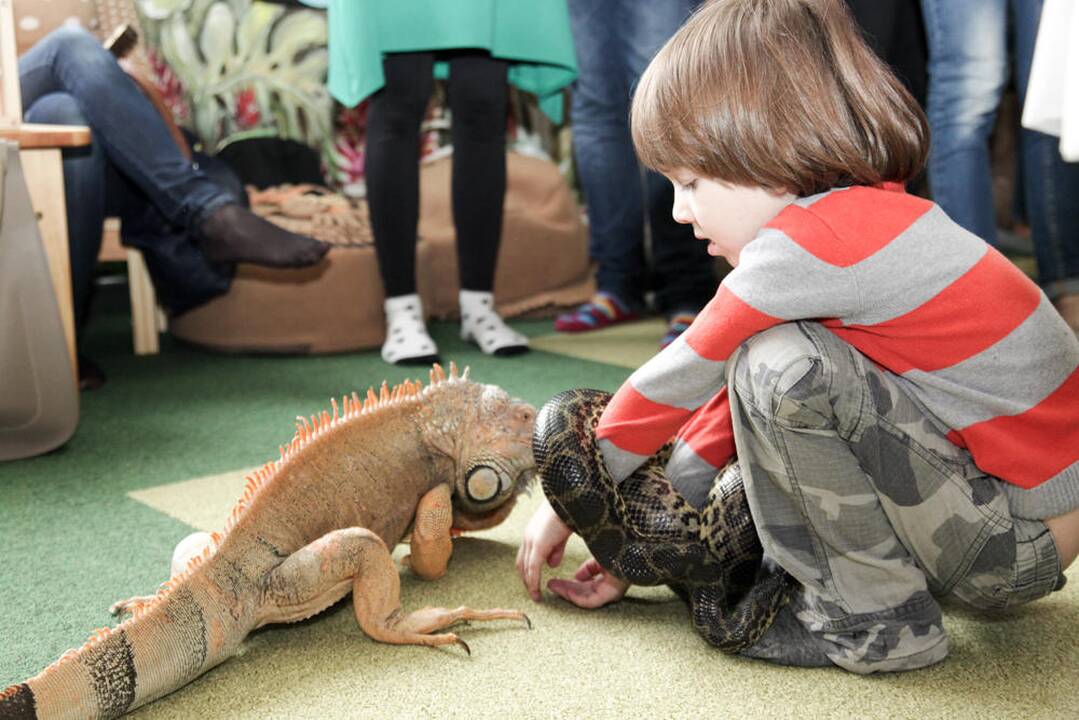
(407, 341)
(482, 325)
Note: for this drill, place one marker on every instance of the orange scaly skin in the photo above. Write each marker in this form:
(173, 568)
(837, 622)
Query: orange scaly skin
(311, 528)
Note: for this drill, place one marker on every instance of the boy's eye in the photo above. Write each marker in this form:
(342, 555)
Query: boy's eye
(689, 186)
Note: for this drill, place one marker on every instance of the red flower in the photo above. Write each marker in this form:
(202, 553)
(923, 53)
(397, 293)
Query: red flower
(248, 114)
(172, 90)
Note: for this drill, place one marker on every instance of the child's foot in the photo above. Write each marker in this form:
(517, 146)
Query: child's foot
(602, 310)
(676, 325)
(232, 233)
(407, 341)
(483, 326)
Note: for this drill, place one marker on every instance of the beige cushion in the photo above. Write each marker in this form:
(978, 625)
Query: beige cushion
(337, 305)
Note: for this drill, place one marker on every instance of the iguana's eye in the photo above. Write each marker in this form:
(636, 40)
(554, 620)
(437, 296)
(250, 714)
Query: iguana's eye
(482, 484)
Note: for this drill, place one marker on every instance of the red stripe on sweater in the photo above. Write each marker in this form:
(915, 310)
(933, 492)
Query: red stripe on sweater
(636, 424)
(860, 222)
(710, 432)
(962, 320)
(1029, 448)
(725, 323)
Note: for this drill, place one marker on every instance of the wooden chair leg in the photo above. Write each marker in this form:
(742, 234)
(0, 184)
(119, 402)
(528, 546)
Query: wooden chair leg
(147, 320)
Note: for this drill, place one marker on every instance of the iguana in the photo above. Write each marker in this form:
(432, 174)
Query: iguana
(310, 528)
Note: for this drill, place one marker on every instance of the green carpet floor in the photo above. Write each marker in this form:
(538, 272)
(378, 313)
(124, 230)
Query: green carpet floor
(161, 448)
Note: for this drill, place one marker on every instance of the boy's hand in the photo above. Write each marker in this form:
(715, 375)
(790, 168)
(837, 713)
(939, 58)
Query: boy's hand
(544, 540)
(592, 586)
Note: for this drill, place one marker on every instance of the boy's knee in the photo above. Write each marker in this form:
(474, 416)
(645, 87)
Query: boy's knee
(55, 109)
(782, 372)
(1013, 568)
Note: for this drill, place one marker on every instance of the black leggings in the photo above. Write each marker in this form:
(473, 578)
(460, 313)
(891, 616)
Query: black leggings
(477, 97)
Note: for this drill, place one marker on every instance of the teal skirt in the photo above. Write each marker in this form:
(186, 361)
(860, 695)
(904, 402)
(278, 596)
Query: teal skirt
(532, 35)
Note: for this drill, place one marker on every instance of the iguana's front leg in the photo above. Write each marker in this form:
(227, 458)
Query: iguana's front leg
(316, 576)
(431, 543)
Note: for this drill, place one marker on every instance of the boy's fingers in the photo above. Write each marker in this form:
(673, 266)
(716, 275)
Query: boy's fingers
(526, 570)
(581, 594)
(569, 590)
(557, 553)
(588, 570)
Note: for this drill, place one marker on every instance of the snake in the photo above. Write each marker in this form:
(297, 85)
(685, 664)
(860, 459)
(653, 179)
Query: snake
(644, 532)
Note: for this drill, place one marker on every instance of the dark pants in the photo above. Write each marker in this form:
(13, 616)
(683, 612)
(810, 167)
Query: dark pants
(477, 98)
(615, 40)
(132, 170)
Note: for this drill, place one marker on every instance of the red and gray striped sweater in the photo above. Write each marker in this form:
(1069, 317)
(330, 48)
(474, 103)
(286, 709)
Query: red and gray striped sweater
(971, 337)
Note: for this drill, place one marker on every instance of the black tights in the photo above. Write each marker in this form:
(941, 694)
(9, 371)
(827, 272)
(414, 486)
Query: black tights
(477, 97)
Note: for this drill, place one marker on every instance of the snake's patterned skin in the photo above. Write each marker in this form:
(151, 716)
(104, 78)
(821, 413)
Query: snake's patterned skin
(645, 533)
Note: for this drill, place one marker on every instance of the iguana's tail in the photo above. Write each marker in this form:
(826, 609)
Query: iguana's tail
(171, 641)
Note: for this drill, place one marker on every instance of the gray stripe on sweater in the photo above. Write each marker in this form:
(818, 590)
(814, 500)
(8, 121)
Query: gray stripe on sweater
(690, 474)
(778, 277)
(698, 379)
(885, 276)
(620, 463)
(1056, 496)
(1008, 378)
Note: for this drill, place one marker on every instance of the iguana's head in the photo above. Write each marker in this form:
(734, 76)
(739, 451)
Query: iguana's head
(487, 436)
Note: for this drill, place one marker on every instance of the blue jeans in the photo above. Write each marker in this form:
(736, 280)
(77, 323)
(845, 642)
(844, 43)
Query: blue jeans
(132, 169)
(615, 40)
(968, 70)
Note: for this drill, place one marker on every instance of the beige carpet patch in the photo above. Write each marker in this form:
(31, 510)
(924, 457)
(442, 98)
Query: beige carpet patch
(629, 345)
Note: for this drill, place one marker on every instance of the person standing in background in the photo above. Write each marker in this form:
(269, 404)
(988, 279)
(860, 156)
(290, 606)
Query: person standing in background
(968, 70)
(391, 52)
(615, 40)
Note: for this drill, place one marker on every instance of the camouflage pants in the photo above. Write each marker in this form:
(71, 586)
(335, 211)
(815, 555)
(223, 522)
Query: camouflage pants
(858, 495)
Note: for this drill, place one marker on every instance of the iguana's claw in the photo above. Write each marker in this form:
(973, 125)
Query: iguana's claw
(528, 620)
(463, 644)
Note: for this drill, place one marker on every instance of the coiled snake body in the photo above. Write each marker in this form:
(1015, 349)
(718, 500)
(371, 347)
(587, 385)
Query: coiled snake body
(645, 533)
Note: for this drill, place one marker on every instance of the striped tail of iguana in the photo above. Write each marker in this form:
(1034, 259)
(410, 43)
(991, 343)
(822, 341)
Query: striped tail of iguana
(310, 528)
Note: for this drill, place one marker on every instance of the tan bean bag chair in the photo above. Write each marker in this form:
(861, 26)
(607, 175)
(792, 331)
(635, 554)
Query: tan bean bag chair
(337, 305)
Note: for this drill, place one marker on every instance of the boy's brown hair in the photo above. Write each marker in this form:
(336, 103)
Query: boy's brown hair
(782, 94)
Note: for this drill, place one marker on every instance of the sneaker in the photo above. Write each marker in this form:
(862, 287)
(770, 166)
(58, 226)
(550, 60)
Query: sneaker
(601, 311)
(676, 325)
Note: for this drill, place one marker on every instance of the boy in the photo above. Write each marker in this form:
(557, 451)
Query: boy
(903, 402)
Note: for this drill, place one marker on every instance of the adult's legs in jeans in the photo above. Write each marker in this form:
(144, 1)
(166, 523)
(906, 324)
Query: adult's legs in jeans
(84, 195)
(182, 275)
(683, 273)
(606, 162)
(1051, 184)
(968, 62)
(136, 140)
(126, 125)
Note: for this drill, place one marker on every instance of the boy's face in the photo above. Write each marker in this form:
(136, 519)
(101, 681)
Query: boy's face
(727, 216)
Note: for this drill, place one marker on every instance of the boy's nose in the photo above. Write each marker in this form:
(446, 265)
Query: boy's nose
(680, 212)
